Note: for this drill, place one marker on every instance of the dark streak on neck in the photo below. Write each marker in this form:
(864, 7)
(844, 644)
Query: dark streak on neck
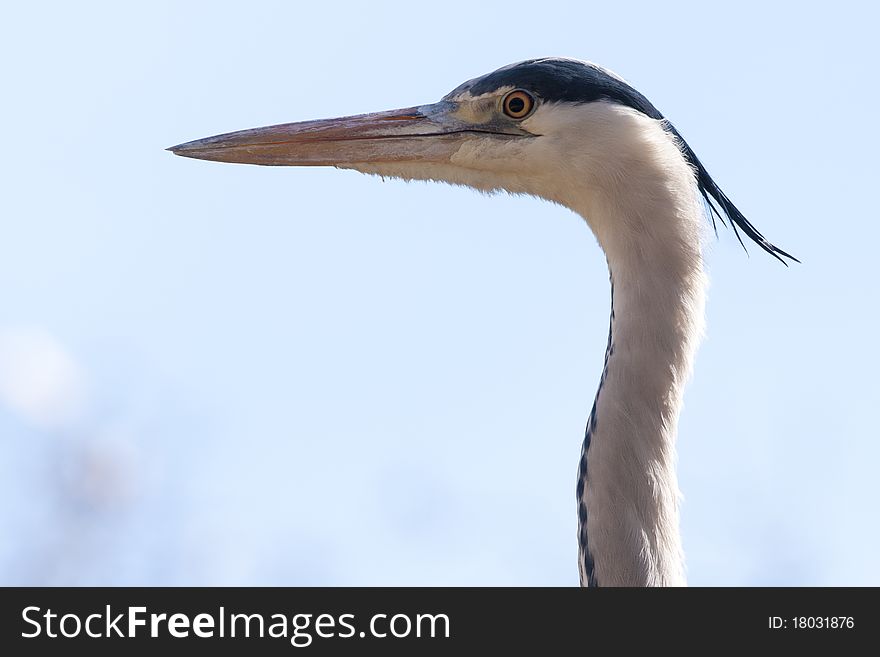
(588, 577)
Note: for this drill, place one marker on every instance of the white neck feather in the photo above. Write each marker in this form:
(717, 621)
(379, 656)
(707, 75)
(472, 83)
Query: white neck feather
(645, 211)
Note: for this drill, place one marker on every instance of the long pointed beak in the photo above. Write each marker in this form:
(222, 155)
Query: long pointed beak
(427, 133)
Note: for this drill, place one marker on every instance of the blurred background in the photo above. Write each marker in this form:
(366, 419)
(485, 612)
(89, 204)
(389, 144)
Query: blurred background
(215, 374)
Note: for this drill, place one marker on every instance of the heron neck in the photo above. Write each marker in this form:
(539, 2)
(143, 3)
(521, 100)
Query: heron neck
(627, 490)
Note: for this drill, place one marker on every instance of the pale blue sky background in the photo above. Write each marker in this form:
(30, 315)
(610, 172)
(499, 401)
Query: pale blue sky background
(216, 374)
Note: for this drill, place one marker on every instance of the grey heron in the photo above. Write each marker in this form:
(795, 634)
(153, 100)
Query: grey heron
(575, 134)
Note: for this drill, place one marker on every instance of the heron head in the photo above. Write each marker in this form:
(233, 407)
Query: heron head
(511, 129)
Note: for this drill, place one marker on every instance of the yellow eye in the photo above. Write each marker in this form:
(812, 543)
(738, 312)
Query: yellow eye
(517, 104)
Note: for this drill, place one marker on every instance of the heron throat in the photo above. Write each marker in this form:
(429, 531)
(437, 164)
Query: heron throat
(650, 223)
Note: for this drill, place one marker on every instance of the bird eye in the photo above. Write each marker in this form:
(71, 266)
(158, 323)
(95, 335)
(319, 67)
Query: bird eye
(517, 104)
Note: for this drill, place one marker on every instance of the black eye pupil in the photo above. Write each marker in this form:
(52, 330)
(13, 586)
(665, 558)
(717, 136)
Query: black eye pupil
(516, 105)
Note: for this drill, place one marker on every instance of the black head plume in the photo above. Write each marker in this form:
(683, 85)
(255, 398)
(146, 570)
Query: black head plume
(720, 206)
